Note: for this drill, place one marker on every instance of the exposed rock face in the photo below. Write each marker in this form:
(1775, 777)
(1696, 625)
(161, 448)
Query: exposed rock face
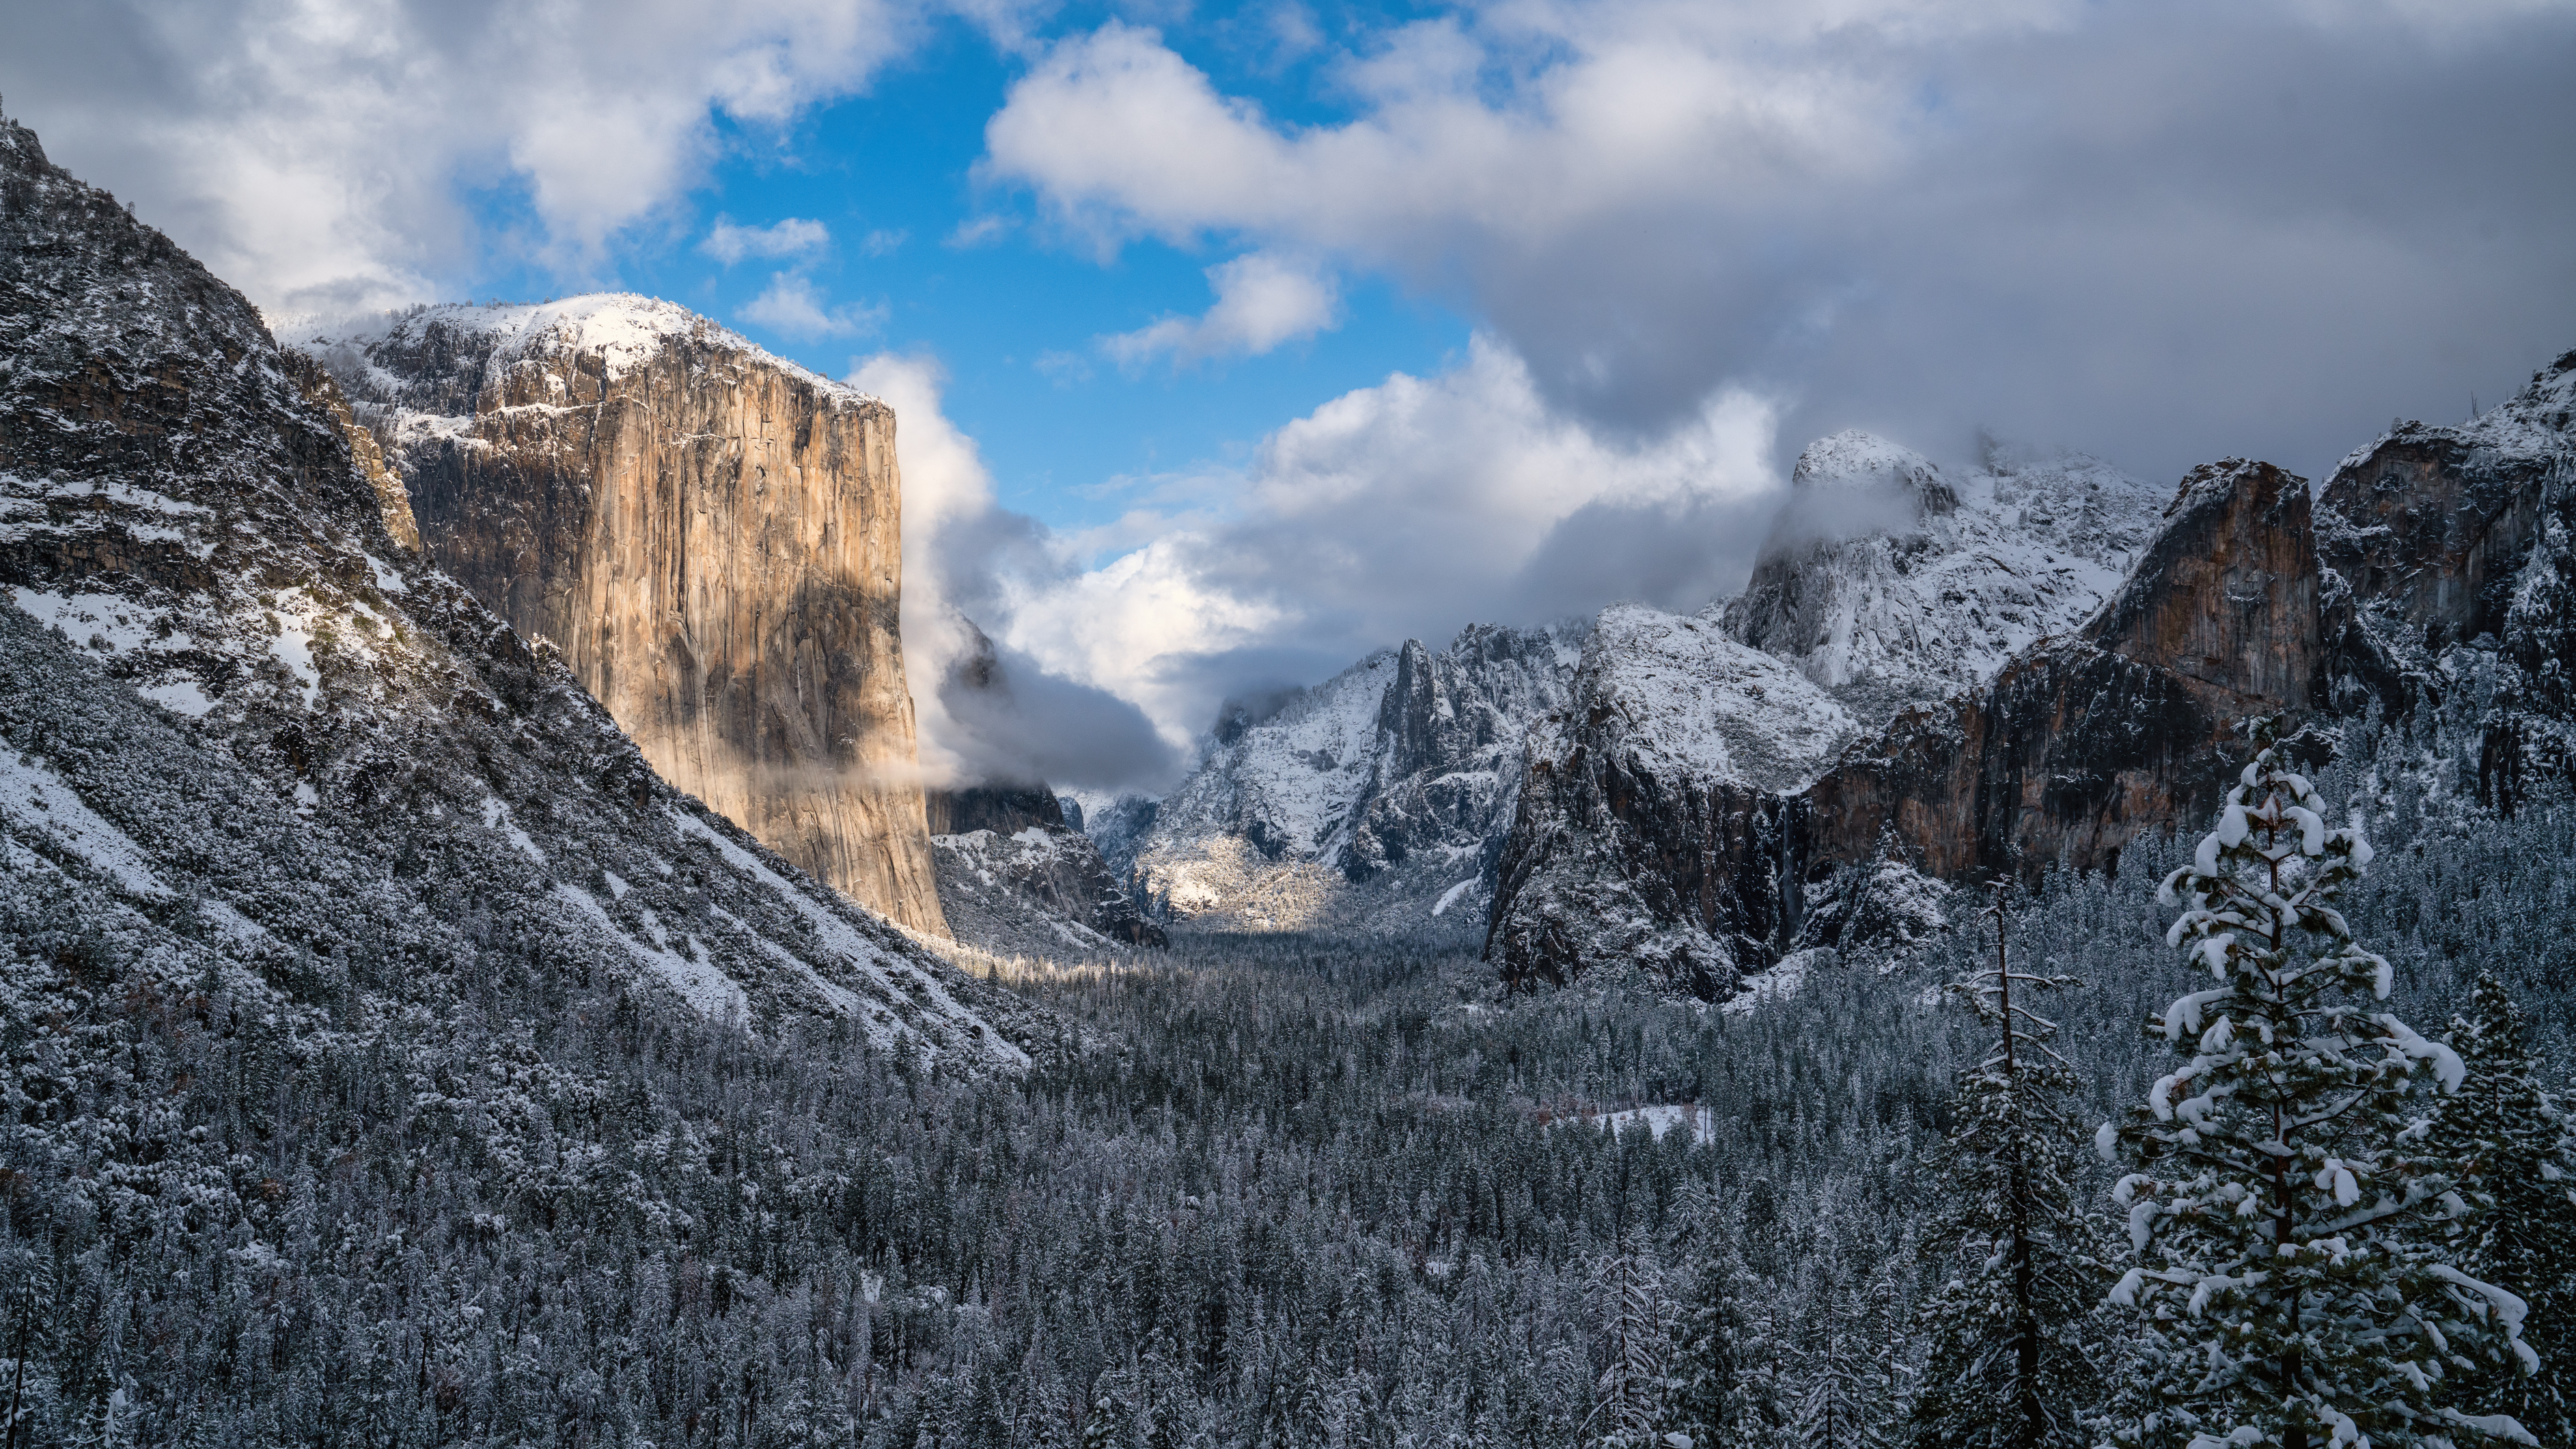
(711, 537)
(2072, 751)
(258, 751)
(1377, 797)
(2443, 534)
(1892, 583)
(1648, 829)
(1016, 876)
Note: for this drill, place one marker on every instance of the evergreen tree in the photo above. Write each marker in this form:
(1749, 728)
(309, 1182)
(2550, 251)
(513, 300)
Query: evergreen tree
(1848, 1396)
(2510, 1139)
(1723, 1385)
(1628, 1405)
(2286, 1216)
(2008, 1366)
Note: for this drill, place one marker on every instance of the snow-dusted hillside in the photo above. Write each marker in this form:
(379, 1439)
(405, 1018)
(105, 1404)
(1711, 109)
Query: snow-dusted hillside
(258, 740)
(1697, 708)
(1889, 581)
(1373, 797)
(1671, 720)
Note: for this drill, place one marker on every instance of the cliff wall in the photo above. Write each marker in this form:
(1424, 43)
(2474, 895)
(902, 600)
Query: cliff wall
(712, 538)
(1624, 847)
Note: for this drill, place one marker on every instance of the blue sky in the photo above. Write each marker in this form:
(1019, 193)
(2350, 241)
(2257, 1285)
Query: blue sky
(1013, 317)
(1231, 342)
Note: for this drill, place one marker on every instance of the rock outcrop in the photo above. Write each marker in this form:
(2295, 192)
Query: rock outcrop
(2441, 535)
(1017, 877)
(257, 754)
(709, 535)
(1376, 798)
(2078, 745)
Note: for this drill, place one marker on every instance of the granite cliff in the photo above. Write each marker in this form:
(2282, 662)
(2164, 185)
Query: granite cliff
(256, 752)
(709, 535)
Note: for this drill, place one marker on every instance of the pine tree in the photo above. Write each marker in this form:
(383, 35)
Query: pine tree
(1723, 1384)
(2510, 1139)
(1848, 1395)
(1628, 1402)
(2008, 1368)
(2286, 1216)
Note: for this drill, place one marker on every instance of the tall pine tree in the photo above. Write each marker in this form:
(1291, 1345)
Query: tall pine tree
(2008, 1368)
(2510, 1141)
(2287, 1218)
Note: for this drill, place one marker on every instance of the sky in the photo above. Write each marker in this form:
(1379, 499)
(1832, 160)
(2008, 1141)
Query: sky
(1231, 343)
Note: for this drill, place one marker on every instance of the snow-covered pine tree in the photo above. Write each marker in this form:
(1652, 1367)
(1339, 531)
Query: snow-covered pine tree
(2520, 1235)
(1629, 1394)
(1847, 1396)
(2286, 1215)
(2008, 1368)
(1723, 1384)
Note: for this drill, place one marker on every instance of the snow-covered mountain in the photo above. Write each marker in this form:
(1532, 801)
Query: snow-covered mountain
(1885, 582)
(707, 532)
(1890, 582)
(1374, 796)
(1671, 721)
(255, 745)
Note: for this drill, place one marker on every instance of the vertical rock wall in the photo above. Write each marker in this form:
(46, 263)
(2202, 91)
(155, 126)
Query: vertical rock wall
(710, 535)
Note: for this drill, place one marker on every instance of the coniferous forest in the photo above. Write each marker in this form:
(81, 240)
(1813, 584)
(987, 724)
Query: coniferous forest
(1298, 1190)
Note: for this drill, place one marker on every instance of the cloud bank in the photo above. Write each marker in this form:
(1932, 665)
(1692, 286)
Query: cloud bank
(1408, 509)
(2163, 232)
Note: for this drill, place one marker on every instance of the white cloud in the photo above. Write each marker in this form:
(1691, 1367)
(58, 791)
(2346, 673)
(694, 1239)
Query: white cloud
(789, 305)
(2161, 232)
(964, 558)
(1408, 509)
(1262, 300)
(314, 152)
(794, 236)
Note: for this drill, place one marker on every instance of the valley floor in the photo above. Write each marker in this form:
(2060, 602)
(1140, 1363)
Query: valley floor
(1289, 1190)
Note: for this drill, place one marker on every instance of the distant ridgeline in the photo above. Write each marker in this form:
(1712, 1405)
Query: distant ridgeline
(1931, 677)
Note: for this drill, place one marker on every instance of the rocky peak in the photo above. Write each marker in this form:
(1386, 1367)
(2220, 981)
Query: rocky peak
(1892, 584)
(710, 535)
(1853, 462)
(2226, 597)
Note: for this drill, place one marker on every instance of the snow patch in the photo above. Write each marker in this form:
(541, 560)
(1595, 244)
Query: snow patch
(33, 797)
(1450, 896)
(709, 991)
(496, 816)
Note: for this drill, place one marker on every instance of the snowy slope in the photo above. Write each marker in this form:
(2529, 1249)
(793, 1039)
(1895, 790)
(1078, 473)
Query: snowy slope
(622, 329)
(1278, 798)
(1889, 581)
(262, 736)
(1700, 709)
(1373, 799)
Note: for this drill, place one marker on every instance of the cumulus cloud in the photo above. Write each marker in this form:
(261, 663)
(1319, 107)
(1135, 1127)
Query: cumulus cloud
(987, 710)
(2161, 232)
(1262, 301)
(1407, 509)
(794, 236)
(313, 152)
(789, 305)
